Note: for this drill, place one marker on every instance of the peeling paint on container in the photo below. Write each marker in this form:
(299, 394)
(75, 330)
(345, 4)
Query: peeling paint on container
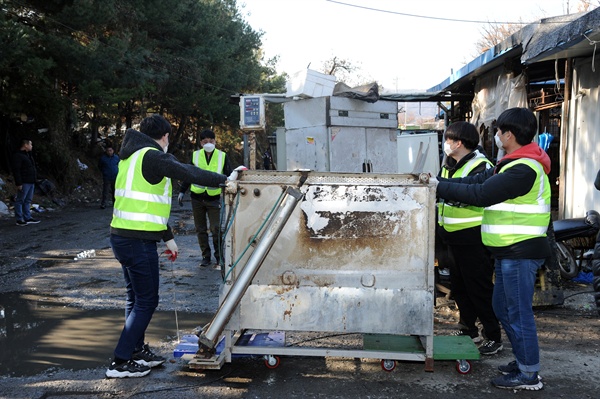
(356, 256)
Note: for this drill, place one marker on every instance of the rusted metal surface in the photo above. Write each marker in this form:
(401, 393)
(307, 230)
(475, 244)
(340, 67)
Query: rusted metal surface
(356, 256)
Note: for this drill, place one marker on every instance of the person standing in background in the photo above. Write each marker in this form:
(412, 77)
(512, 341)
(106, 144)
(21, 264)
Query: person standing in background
(109, 166)
(25, 176)
(267, 159)
(596, 258)
(206, 200)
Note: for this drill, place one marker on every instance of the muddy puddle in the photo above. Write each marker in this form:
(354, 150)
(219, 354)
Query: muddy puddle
(38, 335)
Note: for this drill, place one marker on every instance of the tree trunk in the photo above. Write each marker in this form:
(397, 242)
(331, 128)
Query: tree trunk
(176, 137)
(94, 124)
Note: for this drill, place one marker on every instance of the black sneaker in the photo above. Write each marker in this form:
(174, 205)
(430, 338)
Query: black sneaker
(147, 358)
(127, 369)
(509, 368)
(491, 347)
(474, 336)
(518, 380)
(32, 221)
(21, 223)
(205, 262)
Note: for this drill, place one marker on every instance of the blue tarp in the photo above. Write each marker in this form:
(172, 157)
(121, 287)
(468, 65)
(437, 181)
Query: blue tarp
(584, 277)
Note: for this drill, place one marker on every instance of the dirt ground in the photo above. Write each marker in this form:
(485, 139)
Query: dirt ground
(37, 260)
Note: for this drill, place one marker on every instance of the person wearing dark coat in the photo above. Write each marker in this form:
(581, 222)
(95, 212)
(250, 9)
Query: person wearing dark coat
(140, 220)
(25, 175)
(596, 258)
(109, 166)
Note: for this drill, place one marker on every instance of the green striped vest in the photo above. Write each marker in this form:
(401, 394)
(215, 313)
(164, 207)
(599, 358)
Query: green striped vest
(520, 218)
(140, 205)
(454, 218)
(217, 161)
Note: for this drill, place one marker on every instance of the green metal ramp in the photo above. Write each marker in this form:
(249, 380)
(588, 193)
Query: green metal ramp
(445, 347)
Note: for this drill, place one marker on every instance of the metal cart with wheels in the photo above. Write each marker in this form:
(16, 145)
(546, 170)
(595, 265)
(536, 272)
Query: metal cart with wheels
(458, 348)
(327, 253)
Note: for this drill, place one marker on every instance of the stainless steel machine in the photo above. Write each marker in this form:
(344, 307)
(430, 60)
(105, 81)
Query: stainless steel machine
(326, 253)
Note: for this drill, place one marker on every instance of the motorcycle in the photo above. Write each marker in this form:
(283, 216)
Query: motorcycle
(575, 240)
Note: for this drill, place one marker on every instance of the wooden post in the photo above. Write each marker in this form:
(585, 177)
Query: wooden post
(252, 146)
(564, 140)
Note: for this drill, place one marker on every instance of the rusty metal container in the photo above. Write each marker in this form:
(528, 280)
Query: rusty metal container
(355, 256)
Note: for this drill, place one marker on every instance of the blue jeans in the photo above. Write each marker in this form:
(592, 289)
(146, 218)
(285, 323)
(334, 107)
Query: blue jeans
(23, 201)
(139, 260)
(512, 301)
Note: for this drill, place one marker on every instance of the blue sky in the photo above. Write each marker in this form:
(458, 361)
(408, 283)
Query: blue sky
(400, 52)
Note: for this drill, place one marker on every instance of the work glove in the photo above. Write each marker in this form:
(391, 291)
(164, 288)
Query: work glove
(234, 174)
(172, 250)
(231, 187)
(180, 199)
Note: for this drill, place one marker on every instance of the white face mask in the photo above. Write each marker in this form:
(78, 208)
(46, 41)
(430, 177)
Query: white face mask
(447, 149)
(209, 147)
(498, 141)
(166, 148)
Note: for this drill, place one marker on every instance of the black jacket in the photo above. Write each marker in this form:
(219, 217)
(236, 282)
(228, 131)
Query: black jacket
(155, 166)
(596, 258)
(488, 188)
(23, 167)
(471, 235)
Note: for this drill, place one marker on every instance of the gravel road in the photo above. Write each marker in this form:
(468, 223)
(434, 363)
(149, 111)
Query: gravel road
(37, 261)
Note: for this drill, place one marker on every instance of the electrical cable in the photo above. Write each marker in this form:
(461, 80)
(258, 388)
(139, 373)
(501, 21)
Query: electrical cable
(251, 241)
(228, 225)
(175, 300)
(174, 297)
(579, 293)
(592, 43)
(437, 18)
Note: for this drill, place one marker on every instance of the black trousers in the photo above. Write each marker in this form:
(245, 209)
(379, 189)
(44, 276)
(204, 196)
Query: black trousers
(108, 192)
(472, 287)
(203, 210)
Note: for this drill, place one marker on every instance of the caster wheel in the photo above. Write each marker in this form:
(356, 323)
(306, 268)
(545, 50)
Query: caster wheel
(388, 365)
(463, 366)
(272, 362)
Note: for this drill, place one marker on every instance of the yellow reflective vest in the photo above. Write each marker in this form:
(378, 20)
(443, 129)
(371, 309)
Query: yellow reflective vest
(216, 164)
(140, 205)
(520, 218)
(454, 218)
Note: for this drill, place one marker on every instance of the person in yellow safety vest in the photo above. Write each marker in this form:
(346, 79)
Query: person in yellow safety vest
(140, 215)
(459, 228)
(515, 195)
(206, 200)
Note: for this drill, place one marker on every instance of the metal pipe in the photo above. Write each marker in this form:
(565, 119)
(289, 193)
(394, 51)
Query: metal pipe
(207, 339)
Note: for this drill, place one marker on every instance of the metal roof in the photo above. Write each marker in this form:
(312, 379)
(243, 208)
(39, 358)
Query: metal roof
(423, 96)
(546, 40)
